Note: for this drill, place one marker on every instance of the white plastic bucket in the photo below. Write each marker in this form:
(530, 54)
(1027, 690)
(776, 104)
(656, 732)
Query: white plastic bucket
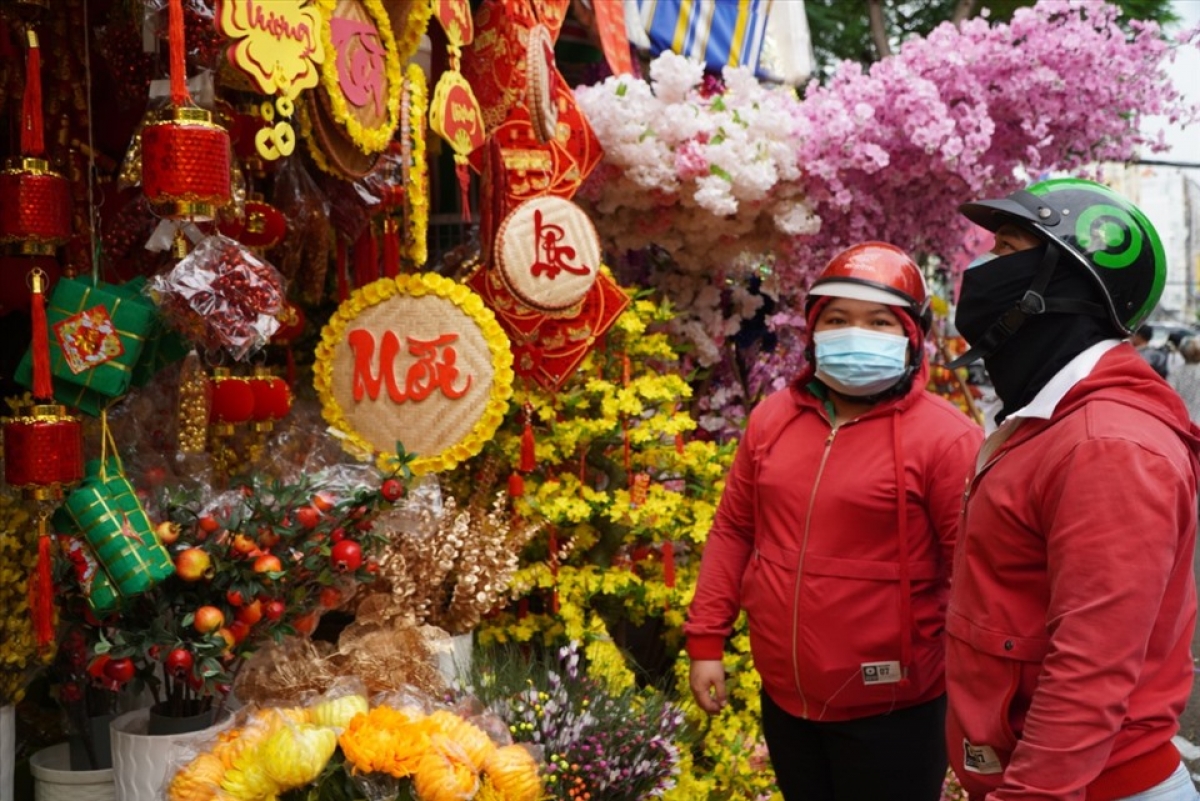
(53, 779)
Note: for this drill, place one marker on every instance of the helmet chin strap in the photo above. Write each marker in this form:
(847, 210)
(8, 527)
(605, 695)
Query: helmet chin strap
(1033, 303)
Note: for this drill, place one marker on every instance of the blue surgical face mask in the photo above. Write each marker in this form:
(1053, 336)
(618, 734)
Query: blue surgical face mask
(981, 259)
(858, 362)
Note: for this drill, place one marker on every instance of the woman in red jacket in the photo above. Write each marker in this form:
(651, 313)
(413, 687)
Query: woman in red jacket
(834, 535)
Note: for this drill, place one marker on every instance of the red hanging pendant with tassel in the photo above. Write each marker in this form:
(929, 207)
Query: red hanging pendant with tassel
(43, 454)
(35, 201)
(186, 161)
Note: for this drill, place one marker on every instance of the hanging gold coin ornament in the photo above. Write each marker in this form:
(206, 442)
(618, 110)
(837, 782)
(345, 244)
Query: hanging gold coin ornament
(278, 46)
(454, 113)
(186, 159)
(35, 202)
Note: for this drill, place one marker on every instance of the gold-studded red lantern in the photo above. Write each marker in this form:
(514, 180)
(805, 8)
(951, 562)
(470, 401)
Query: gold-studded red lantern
(43, 450)
(35, 207)
(232, 401)
(272, 398)
(185, 164)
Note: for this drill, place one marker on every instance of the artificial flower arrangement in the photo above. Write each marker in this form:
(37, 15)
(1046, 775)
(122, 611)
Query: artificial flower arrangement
(601, 742)
(256, 563)
(397, 747)
(969, 108)
(445, 563)
(626, 496)
(706, 169)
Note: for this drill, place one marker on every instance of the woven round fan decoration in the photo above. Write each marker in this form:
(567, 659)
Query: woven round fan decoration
(548, 254)
(361, 73)
(415, 360)
(539, 99)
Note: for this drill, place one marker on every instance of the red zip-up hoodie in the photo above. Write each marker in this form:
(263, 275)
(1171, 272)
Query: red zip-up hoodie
(844, 579)
(1070, 621)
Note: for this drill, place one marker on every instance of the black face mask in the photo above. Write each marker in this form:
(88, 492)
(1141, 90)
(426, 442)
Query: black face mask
(1022, 364)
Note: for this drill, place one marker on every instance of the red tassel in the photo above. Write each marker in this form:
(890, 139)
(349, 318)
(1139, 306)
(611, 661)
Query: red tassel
(32, 137)
(528, 455)
(366, 258)
(464, 186)
(391, 248)
(43, 389)
(175, 39)
(668, 557)
(343, 285)
(41, 591)
(516, 485)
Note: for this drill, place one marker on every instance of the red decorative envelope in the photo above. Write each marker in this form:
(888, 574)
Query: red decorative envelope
(549, 349)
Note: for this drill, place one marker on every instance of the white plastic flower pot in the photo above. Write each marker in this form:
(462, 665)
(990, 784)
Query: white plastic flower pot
(8, 750)
(53, 779)
(142, 762)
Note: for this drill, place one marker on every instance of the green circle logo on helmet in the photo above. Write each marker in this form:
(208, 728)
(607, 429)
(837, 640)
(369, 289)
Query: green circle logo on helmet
(1097, 229)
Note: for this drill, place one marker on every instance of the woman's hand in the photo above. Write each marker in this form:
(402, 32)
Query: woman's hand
(708, 684)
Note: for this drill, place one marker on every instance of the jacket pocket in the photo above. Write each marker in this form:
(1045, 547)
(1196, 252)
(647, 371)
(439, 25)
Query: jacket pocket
(993, 674)
(851, 627)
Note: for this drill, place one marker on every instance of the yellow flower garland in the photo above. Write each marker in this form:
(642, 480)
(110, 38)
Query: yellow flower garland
(416, 286)
(369, 140)
(409, 39)
(416, 195)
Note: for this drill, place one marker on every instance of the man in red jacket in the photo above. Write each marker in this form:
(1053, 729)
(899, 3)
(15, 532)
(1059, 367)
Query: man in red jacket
(1073, 603)
(835, 534)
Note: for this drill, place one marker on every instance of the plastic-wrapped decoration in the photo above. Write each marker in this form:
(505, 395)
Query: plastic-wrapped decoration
(222, 297)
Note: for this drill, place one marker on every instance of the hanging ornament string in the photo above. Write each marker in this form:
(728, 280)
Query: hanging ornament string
(41, 584)
(93, 219)
(43, 389)
(33, 141)
(179, 90)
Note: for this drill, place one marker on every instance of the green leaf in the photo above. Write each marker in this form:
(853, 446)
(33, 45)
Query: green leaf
(713, 169)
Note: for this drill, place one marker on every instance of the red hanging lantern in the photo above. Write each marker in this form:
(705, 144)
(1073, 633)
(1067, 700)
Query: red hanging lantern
(262, 227)
(43, 451)
(43, 443)
(35, 207)
(272, 398)
(232, 401)
(185, 164)
(35, 201)
(186, 161)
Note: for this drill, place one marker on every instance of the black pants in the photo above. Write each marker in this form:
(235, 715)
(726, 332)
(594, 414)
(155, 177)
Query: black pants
(896, 757)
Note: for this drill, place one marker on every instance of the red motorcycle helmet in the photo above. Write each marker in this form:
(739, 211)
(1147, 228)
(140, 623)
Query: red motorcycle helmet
(876, 272)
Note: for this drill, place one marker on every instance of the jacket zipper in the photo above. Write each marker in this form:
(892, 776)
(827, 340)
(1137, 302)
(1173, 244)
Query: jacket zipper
(800, 573)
